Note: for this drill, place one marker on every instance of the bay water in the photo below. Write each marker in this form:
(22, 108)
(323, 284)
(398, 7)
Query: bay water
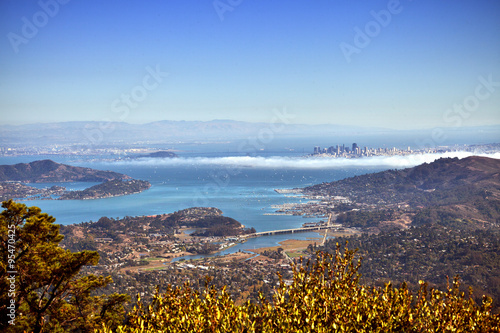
(245, 192)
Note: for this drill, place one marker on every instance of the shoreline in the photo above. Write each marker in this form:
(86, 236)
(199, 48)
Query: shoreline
(291, 245)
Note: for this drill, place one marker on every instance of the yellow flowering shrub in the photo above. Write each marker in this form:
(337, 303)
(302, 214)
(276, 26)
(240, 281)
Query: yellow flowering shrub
(325, 296)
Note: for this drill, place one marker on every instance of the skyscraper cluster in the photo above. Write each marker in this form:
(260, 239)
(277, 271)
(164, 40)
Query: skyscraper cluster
(356, 151)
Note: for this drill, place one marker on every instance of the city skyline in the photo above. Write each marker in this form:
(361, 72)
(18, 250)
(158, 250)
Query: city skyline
(389, 64)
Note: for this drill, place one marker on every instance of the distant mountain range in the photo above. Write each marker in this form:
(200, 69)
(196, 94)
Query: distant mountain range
(98, 133)
(91, 133)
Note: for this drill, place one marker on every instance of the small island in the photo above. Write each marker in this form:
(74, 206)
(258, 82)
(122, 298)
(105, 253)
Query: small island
(160, 154)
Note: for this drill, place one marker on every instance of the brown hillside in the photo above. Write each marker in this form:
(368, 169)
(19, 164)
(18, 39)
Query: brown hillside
(50, 171)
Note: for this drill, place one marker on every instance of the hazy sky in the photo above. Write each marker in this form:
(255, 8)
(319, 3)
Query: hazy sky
(398, 64)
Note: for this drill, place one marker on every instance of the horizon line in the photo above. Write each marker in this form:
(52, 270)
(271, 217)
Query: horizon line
(249, 122)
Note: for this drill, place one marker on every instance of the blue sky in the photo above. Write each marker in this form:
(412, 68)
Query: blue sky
(422, 64)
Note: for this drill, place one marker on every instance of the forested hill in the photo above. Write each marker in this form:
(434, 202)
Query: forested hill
(49, 171)
(425, 223)
(444, 181)
(208, 221)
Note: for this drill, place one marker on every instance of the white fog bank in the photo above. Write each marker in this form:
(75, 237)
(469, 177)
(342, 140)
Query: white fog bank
(280, 162)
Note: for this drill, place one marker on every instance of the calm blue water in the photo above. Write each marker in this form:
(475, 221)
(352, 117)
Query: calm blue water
(244, 193)
(256, 243)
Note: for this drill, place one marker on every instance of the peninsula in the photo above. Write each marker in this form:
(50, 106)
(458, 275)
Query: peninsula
(111, 188)
(13, 179)
(128, 237)
(48, 171)
(469, 187)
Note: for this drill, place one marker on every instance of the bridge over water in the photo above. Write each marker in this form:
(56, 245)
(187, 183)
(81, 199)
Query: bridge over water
(291, 231)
